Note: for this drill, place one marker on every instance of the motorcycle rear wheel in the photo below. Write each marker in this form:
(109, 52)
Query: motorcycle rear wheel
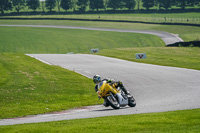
(112, 101)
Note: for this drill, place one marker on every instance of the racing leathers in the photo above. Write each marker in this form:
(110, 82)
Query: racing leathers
(111, 82)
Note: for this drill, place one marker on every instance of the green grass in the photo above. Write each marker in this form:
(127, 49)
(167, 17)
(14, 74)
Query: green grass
(187, 33)
(28, 86)
(165, 56)
(173, 122)
(53, 40)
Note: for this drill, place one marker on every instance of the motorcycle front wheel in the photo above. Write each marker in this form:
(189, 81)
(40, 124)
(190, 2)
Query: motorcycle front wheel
(112, 101)
(131, 102)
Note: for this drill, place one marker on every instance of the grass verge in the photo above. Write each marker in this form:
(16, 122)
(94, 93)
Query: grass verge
(166, 56)
(28, 86)
(173, 122)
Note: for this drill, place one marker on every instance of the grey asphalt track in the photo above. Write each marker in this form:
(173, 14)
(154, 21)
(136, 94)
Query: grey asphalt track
(155, 88)
(168, 38)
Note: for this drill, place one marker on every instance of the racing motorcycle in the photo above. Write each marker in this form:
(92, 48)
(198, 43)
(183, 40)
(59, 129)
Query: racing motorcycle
(115, 97)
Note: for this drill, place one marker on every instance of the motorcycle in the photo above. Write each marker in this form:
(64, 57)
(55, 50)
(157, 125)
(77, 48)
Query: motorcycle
(115, 97)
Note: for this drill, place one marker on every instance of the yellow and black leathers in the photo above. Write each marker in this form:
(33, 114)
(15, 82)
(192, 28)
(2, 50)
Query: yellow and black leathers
(113, 83)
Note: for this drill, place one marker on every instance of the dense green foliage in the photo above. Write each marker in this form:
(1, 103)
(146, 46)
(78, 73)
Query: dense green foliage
(50, 4)
(5, 5)
(148, 3)
(82, 5)
(173, 122)
(165, 3)
(96, 4)
(33, 4)
(66, 4)
(130, 4)
(18, 4)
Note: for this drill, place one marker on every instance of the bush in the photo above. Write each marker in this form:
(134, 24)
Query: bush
(185, 44)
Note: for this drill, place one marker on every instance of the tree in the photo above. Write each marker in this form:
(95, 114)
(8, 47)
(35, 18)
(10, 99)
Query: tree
(43, 3)
(138, 3)
(33, 4)
(114, 4)
(130, 4)
(181, 3)
(192, 2)
(74, 4)
(5, 5)
(66, 4)
(50, 4)
(197, 3)
(105, 4)
(165, 3)
(58, 2)
(185, 3)
(82, 5)
(148, 3)
(18, 4)
(96, 4)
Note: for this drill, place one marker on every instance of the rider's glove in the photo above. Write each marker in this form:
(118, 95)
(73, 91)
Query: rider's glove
(109, 81)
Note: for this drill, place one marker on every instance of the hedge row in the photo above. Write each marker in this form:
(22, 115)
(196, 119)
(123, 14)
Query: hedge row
(101, 12)
(185, 44)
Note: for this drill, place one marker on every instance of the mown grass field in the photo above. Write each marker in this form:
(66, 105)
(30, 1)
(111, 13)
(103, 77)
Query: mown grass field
(187, 121)
(187, 33)
(53, 40)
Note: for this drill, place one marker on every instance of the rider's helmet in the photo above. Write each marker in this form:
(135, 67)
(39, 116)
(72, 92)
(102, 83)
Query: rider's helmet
(97, 79)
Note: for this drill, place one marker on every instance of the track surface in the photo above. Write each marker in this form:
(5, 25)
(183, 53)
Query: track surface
(168, 38)
(155, 88)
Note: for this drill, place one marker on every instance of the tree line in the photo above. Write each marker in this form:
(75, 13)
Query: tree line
(82, 5)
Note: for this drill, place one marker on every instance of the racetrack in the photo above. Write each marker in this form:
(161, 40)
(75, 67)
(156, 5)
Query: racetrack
(155, 88)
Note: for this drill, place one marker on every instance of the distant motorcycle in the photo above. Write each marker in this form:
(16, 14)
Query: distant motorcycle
(115, 97)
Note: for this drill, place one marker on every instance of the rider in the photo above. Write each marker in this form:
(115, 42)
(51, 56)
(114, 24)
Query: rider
(97, 79)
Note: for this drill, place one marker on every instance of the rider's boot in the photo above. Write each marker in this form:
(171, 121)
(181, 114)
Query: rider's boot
(105, 103)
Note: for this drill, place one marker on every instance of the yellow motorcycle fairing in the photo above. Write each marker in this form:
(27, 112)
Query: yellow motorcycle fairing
(105, 88)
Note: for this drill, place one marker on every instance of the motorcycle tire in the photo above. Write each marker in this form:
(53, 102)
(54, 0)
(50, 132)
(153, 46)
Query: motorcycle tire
(131, 102)
(112, 102)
